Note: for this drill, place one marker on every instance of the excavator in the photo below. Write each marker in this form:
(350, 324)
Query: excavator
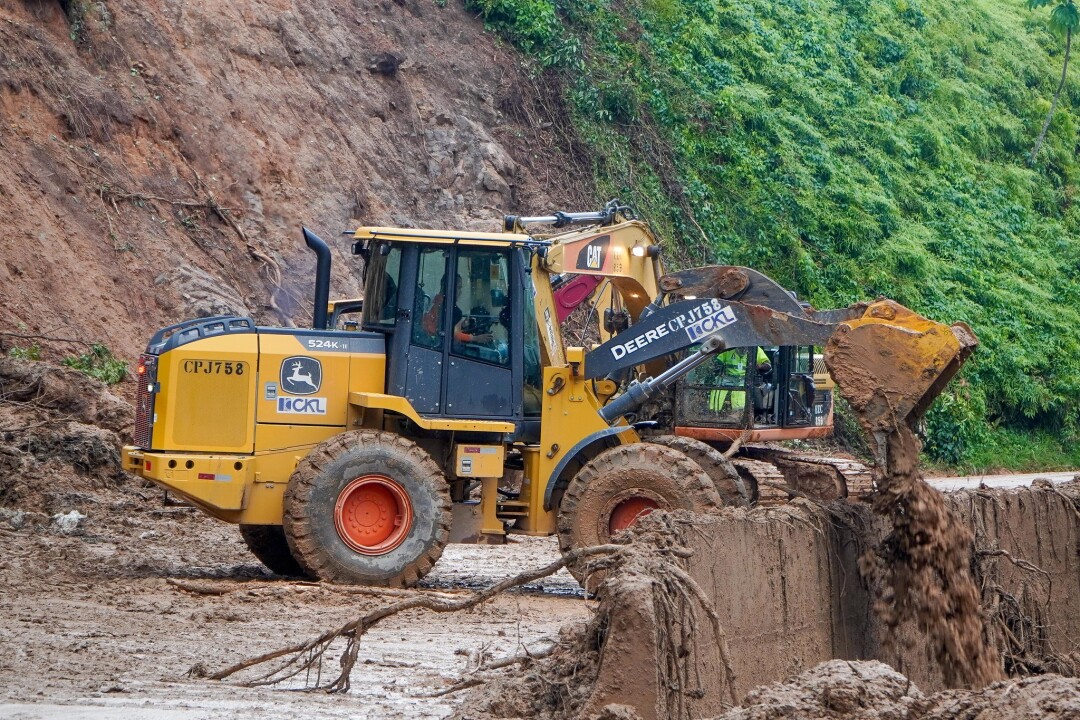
(445, 406)
(740, 407)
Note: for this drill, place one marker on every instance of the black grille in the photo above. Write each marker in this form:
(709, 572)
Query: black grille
(144, 401)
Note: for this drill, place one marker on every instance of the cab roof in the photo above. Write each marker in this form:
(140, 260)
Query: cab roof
(447, 237)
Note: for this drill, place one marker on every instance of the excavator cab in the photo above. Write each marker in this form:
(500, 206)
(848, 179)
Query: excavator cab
(769, 389)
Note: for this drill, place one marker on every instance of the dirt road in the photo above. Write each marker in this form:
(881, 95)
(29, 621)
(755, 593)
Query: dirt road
(970, 482)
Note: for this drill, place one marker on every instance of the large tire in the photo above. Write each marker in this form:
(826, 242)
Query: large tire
(623, 482)
(727, 480)
(367, 508)
(268, 543)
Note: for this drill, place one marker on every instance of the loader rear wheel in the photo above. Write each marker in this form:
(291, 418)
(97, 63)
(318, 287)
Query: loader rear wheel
(622, 484)
(727, 480)
(268, 543)
(367, 508)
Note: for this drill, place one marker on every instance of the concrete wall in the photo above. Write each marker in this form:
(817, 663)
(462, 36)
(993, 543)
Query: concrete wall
(786, 584)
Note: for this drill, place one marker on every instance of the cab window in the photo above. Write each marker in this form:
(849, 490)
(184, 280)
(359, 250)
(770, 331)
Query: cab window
(481, 311)
(429, 307)
(383, 272)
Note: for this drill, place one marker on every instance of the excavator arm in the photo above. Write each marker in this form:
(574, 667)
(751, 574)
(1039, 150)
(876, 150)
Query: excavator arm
(889, 362)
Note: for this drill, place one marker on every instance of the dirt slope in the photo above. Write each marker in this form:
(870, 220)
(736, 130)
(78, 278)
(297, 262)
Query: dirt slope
(160, 157)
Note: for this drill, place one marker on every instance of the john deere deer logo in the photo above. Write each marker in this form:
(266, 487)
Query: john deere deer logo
(301, 375)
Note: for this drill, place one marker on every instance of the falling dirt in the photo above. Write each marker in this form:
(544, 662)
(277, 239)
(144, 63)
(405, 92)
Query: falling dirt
(925, 562)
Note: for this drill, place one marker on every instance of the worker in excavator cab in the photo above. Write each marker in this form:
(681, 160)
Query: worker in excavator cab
(729, 395)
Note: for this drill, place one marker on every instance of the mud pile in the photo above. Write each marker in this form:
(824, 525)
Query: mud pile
(60, 438)
(643, 630)
(787, 590)
(844, 690)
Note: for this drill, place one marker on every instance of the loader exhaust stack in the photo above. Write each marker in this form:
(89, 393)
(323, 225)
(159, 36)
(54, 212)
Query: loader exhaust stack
(322, 278)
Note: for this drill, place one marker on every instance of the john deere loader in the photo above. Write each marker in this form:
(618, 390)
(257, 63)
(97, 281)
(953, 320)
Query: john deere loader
(445, 405)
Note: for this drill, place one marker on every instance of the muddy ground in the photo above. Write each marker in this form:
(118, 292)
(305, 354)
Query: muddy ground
(92, 620)
(110, 596)
(98, 623)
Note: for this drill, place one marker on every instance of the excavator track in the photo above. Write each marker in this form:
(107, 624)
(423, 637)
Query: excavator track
(780, 474)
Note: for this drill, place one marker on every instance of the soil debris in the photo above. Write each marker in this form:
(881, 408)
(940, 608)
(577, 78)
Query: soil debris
(650, 568)
(871, 690)
(59, 440)
(924, 565)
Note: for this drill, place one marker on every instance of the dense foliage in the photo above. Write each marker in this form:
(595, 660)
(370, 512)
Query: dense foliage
(851, 149)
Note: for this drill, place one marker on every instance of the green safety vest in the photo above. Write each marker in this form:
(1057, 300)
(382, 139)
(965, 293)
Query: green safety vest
(734, 364)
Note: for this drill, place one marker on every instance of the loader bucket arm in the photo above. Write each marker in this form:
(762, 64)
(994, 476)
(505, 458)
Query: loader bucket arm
(683, 324)
(889, 362)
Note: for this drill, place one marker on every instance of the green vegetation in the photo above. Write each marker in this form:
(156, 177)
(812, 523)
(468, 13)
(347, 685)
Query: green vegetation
(30, 352)
(851, 149)
(99, 363)
(1064, 18)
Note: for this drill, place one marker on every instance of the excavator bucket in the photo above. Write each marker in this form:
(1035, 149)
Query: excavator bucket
(892, 363)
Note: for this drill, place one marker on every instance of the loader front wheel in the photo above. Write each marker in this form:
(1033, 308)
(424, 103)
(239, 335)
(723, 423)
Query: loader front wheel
(726, 479)
(367, 508)
(619, 486)
(268, 543)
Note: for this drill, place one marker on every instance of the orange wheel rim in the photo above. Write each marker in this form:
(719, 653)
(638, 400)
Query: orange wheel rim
(628, 511)
(373, 514)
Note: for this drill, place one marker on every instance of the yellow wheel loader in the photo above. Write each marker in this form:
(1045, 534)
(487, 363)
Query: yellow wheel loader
(444, 407)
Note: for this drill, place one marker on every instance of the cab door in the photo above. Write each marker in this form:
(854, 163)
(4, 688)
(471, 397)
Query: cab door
(479, 336)
(427, 332)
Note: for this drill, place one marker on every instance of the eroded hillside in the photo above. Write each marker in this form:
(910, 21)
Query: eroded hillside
(159, 158)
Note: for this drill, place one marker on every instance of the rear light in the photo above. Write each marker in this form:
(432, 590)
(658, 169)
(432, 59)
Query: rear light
(144, 400)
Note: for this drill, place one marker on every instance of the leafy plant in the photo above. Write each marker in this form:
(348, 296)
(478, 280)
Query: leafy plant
(99, 363)
(849, 150)
(30, 352)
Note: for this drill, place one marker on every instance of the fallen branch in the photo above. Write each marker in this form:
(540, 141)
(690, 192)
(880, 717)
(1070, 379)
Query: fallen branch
(25, 336)
(1018, 562)
(199, 588)
(226, 587)
(306, 655)
(743, 437)
(476, 679)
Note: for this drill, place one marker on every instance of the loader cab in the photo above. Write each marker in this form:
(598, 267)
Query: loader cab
(462, 339)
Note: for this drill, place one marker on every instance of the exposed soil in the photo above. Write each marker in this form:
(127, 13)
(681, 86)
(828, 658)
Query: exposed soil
(848, 690)
(160, 157)
(109, 595)
(112, 596)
